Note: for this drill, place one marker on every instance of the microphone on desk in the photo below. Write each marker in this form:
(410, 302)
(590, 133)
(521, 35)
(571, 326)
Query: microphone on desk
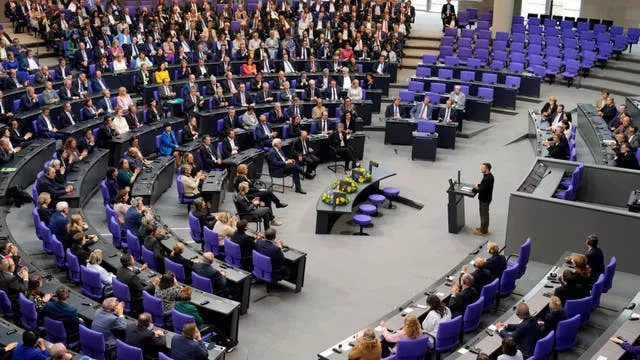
(545, 175)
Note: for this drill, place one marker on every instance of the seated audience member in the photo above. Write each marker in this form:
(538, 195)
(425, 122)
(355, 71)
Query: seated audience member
(190, 130)
(168, 143)
(448, 113)
(106, 132)
(264, 135)
(167, 290)
(246, 242)
(6, 152)
(202, 211)
(13, 284)
(550, 109)
(306, 154)
(210, 158)
(126, 175)
(595, 257)
(80, 248)
(121, 205)
(109, 320)
(59, 310)
(253, 210)
(525, 334)
(87, 143)
(510, 350)
(553, 317)
(32, 348)
(120, 124)
(629, 348)
(133, 216)
(340, 140)
(608, 110)
(59, 220)
(367, 347)
(266, 196)
(128, 275)
(34, 292)
(496, 263)
(225, 227)
(626, 159)
(461, 298)
(229, 146)
(44, 211)
(269, 246)
(217, 276)
(48, 184)
(278, 160)
(481, 276)
(189, 344)
(422, 110)
(189, 159)
(438, 312)
(558, 148)
(191, 183)
(76, 225)
(177, 257)
(410, 330)
(152, 242)
(184, 305)
(143, 335)
(59, 352)
(582, 270)
(95, 261)
(571, 289)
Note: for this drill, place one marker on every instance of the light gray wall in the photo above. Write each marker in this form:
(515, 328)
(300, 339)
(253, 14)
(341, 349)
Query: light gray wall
(622, 12)
(607, 185)
(556, 226)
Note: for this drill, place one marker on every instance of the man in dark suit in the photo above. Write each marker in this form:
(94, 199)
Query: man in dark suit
(193, 102)
(422, 110)
(218, 277)
(394, 111)
(264, 134)
(481, 276)
(266, 65)
(133, 118)
(150, 341)
(448, 113)
(570, 289)
(59, 310)
(67, 117)
(48, 184)
(6, 153)
(381, 67)
(68, 92)
(105, 103)
(189, 345)
(43, 75)
(13, 284)
(312, 92)
(305, 152)
(46, 128)
(339, 140)
(229, 146)
(83, 58)
(272, 248)
(264, 96)
(461, 298)
(210, 159)
(276, 115)
(278, 161)
(190, 130)
(312, 66)
(98, 84)
(241, 97)
(447, 14)
(18, 139)
(595, 257)
(128, 275)
(525, 334)
(247, 244)
(626, 159)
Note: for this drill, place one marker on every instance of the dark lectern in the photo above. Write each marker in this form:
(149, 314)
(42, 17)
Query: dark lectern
(455, 207)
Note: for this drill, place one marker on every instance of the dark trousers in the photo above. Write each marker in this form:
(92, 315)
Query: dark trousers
(347, 154)
(484, 216)
(294, 170)
(459, 118)
(263, 213)
(311, 161)
(266, 196)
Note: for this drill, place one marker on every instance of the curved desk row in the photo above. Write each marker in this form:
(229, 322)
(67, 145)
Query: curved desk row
(503, 96)
(213, 309)
(595, 132)
(417, 306)
(327, 215)
(153, 182)
(22, 170)
(476, 109)
(399, 132)
(86, 177)
(529, 82)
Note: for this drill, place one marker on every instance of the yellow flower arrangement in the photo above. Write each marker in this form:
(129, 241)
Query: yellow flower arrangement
(328, 197)
(361, 175)
(346, 184)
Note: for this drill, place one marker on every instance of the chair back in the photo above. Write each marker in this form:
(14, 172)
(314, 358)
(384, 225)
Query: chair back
(580, 307)
(56, 332)
(523, 257)
(73, 267)
(5, 304)
(121, 292)
(596, 292)
(489, 293)
(109, 212)
(177, 269)
(91, 343)
(195, 230)
(472, 314)
(448, 336)
(28, 313)
(262, 268)
(211, 241)
(426, 126)
(158, 143)
(567, 333)
(133, 244)
(232, 253)
(153, 306)
(58, 252)
(36, 221)
(91, 283)
(127, 352)
(114, 229)
(149, 259)
(161, 355)
(180, 320)
(609, 271)
(544, 347)
(508, 281)
(412, 349)
(46, 237)
(201, 283)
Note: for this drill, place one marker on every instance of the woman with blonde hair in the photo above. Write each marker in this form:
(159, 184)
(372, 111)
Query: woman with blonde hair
(411, 330)
(367, 347)
(94, 263)
(549, 109)
(176, 257)
(44, 211)
(267, 197)
(496, 263)
(554, 316)
(225, 227)
(190, 182)
(123, 101)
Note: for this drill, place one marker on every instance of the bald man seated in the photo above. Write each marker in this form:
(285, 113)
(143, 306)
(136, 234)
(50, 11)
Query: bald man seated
(217, 276)
(481, 275)
(525, 334)
(462, 295)
(142, 334)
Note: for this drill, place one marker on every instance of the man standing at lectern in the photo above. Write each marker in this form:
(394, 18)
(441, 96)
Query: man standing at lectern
(485, 194)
